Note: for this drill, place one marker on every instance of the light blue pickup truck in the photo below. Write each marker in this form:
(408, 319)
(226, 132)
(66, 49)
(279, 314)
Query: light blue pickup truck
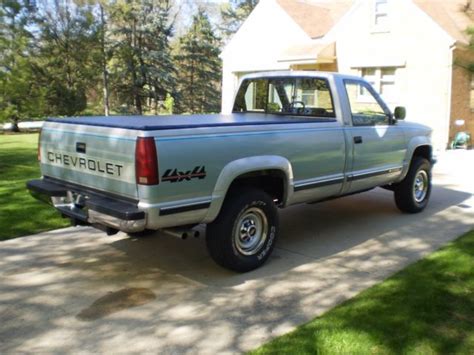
(293, 137)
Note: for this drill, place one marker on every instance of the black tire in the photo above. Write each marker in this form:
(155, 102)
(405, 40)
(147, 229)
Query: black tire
(229, 238)
(405, 197)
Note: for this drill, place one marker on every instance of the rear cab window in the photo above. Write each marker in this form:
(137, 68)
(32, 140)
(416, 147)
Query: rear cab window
(289, 96)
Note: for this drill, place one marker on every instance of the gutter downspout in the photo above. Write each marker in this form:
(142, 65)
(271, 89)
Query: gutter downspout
(452, 47)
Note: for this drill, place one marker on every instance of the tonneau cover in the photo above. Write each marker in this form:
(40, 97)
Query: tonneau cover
(153, 123)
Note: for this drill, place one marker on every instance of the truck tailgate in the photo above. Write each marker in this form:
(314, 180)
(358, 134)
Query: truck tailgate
(96, 157)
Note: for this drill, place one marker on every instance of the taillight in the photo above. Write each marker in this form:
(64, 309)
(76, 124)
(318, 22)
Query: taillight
(39, 145)
(146, 161)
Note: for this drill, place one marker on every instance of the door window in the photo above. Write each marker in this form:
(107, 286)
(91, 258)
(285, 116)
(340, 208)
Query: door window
(367, 112)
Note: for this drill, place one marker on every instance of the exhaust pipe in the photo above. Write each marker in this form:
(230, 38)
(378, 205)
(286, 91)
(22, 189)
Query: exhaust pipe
(109, 230)
(181, 233)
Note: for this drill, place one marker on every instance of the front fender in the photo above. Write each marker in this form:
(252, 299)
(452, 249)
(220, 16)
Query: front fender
(242, 166)
(413, 144)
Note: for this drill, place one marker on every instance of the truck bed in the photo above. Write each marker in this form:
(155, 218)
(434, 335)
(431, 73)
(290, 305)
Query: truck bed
(153, 123)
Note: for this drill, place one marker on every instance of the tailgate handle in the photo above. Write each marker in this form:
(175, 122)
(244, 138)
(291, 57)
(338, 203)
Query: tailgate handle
(80, 147)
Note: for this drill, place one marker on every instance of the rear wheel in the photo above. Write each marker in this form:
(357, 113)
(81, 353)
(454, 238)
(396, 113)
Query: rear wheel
(244, 234)
(413, 193)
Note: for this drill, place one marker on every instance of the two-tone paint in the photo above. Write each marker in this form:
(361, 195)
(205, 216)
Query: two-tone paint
(318, 159)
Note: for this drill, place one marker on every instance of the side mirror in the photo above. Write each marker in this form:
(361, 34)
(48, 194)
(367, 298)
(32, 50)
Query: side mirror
(400, 113)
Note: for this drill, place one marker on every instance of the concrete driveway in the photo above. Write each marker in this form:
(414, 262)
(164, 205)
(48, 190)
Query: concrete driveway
(77, 290)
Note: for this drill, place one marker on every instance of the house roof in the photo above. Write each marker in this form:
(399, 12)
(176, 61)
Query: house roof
(454, 16)
(316, 17)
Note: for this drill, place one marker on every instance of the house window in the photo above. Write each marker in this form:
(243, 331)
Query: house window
(472, 92)
(381, 16)
(383, 81)
(387, 82)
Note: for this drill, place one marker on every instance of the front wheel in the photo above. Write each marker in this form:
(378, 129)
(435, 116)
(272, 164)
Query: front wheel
(413, 193)
(244, 234)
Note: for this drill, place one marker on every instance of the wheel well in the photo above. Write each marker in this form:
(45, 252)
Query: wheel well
(270, 181)
(424, 151)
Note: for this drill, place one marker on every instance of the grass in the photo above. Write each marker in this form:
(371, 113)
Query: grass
(20, 214)
(427, 308)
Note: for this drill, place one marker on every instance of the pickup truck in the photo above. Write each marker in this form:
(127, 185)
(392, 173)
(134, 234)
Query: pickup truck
(293, 137)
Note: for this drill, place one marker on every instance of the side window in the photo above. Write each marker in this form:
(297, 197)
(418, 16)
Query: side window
(252, 96)
(367, 112)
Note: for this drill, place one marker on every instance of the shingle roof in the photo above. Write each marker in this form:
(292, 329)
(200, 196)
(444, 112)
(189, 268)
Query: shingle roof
(454, 16)
(316, 18)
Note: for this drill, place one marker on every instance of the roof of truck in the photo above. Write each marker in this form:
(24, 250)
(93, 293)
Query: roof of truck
(298, 73)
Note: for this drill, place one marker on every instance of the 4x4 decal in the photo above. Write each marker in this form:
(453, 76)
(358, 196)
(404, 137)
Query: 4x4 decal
(173, 175)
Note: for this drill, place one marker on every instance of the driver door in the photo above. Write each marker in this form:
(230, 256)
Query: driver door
(378, 144)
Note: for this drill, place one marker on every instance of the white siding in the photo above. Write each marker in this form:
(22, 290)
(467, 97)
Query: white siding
(257, 46)
(419, 48)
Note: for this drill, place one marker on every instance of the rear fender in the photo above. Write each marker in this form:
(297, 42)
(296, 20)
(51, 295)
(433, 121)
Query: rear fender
(242, 166)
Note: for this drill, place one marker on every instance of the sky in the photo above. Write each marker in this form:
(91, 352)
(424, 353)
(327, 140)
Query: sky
(189, 7)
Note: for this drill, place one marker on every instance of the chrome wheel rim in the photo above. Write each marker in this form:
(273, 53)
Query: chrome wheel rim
(420, 186)
(251, 231)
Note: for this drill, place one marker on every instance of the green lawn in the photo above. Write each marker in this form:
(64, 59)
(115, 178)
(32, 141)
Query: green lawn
(428, 308)
(20, 214)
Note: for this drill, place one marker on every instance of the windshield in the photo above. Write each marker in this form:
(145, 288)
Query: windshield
(288, 96)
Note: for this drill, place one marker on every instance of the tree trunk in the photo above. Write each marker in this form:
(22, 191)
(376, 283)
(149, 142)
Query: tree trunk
(136, 87)
(15, 127)
(192, 93)
(105, 74)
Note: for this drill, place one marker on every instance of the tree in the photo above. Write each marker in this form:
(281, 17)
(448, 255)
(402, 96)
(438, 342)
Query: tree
(142, 68)
(199, 68)
(104, 56)
(20, 96)
(233, 14)
(104, 53)
(67, 58)
(468, 9)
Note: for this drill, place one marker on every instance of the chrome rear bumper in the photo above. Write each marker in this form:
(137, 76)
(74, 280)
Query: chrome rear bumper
(86, 207)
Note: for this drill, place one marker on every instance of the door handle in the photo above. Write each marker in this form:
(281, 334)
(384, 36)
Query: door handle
(357, 139)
